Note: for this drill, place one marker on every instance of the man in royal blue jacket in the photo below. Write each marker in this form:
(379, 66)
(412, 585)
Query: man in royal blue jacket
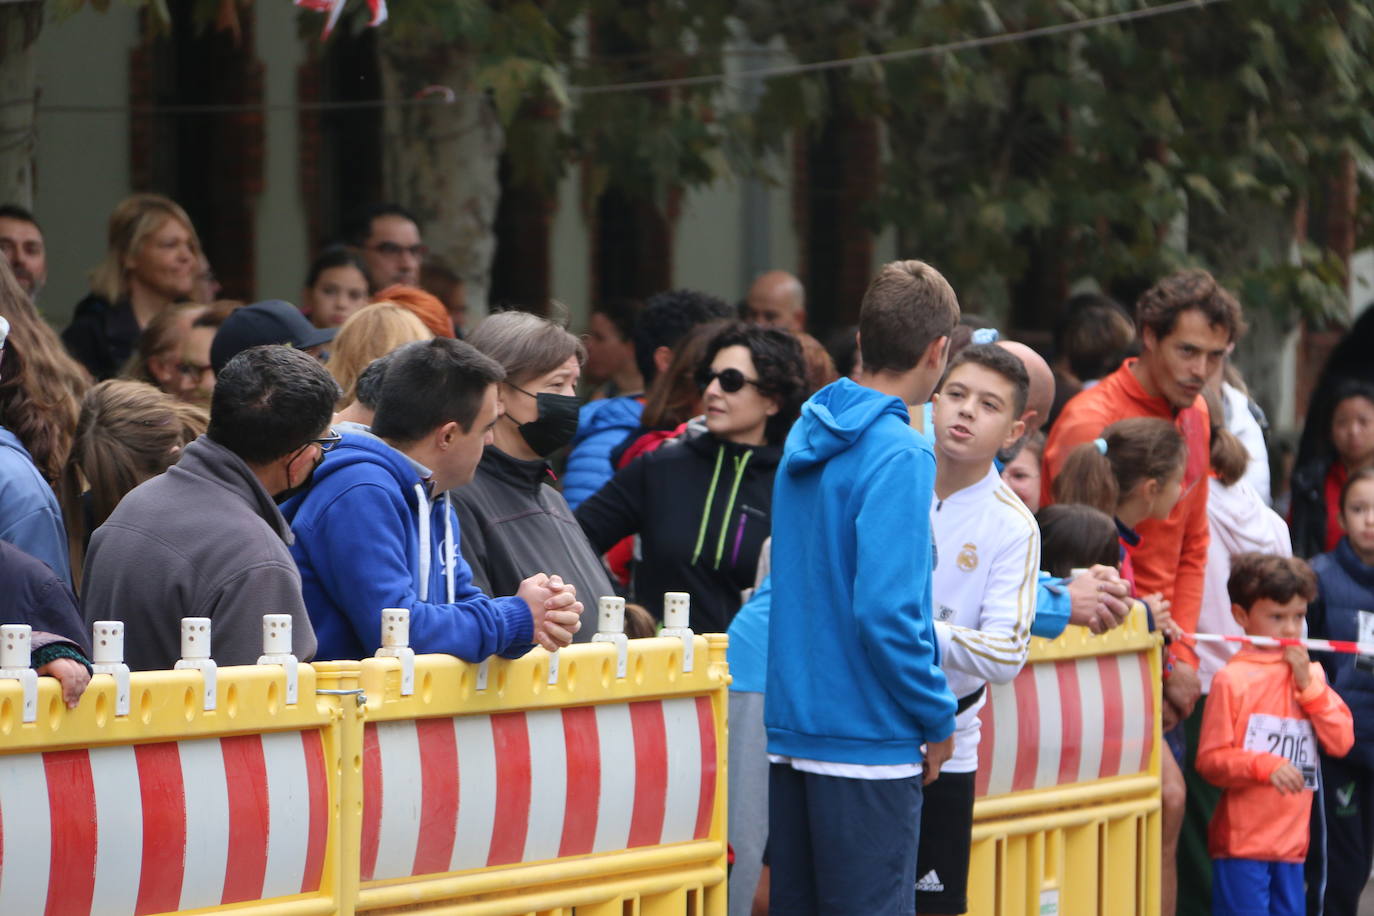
(858, 713)
(375, 529)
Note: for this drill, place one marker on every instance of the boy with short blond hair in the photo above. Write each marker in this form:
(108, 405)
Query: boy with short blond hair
(1268, 711)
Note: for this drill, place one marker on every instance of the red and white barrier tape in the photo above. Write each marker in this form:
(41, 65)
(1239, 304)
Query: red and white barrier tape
(1345, 647)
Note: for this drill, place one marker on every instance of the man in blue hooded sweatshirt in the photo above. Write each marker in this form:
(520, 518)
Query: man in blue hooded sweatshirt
(375, 529)
(858, 713)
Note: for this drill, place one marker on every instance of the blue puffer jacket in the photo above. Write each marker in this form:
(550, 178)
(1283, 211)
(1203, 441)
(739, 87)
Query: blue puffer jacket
(601, 426)
(1342, 611)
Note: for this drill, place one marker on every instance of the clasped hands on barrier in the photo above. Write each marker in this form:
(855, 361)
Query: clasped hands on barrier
(196, 635)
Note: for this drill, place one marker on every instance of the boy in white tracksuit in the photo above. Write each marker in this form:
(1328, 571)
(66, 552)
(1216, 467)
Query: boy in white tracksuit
(984, 585)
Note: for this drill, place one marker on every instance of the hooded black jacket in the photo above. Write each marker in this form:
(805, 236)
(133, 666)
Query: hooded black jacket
(514, 526)
(702, 508)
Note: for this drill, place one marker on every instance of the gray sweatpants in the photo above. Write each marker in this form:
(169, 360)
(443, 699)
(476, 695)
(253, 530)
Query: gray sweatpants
(748, 801)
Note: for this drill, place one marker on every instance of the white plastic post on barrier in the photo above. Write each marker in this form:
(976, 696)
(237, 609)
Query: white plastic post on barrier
(483, 668)
(16, 657)
(195, 654)
(276, 650)
(107, 649)
(610, 627)
(677, 614)
(396, 644)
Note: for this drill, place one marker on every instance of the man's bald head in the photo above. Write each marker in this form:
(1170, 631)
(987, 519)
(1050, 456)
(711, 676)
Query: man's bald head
(1041, 394)
(777, 300)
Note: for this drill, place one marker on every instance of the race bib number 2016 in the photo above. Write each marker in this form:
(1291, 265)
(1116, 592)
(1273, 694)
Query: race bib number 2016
(1291, 739)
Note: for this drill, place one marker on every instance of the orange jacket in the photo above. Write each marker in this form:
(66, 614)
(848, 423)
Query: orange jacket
(1173, 552)
(1253, 820)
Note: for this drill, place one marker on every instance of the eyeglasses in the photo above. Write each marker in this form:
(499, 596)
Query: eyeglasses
(731, 380)
(327, 441)
(392, 250)
(193, 370)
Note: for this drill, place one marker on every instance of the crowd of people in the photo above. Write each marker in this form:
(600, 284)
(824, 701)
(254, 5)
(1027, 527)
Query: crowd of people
(916, 500)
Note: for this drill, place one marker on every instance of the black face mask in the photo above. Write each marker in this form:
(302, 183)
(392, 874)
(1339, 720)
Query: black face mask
(556, 424)
(301, 487)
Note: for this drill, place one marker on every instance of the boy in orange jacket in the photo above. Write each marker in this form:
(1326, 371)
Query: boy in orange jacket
(1268, 710)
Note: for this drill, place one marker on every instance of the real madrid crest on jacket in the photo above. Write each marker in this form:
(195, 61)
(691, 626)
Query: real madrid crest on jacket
(987, 563)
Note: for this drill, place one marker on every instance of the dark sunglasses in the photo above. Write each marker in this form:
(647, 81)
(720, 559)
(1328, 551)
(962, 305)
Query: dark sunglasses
(731, 380)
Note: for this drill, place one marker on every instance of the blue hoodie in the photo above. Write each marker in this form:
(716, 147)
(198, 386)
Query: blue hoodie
(29, 516)
(601, 426)
(853, 665)
(368, 537)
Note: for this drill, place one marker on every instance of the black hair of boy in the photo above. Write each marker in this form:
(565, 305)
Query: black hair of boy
(1256, 576)
(430, 383)
(368, 388)
(269, 401)
(1075, 536)
(1001, 361)
(666, 319)
(906, 308)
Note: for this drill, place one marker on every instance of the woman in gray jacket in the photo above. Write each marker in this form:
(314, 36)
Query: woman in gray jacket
(513, 521)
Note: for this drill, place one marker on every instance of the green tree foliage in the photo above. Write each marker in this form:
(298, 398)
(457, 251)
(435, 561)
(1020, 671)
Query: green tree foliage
(1114, 152)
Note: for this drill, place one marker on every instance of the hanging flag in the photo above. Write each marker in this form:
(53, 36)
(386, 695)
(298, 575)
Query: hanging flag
(335, 8)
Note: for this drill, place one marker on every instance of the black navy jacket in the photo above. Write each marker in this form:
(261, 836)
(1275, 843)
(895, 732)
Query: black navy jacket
(1346, 593)
(702, 508)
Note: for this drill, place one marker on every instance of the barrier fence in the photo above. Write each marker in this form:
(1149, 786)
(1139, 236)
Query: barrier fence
(1067, 815)
(587, 782)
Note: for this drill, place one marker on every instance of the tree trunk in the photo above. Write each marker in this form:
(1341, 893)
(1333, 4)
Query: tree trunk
(20, 23)
(442, 160)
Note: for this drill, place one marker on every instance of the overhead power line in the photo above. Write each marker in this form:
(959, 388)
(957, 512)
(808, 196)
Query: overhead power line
(446, 95)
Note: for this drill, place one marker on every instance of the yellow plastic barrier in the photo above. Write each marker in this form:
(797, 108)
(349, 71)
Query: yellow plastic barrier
(496, 789)
(172, 807)
(1067, 818)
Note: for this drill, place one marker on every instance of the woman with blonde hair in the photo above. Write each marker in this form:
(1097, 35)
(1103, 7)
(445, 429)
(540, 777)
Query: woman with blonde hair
(128, 432)
(369, 333)
(152, 260)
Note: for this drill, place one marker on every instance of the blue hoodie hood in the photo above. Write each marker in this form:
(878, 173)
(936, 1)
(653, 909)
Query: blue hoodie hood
(360, 447)
(834, 419)
(853, 664)
(601, 427)
(369, 536)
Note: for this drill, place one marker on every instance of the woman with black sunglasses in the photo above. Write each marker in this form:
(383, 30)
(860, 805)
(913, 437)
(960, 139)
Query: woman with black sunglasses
(702, 504)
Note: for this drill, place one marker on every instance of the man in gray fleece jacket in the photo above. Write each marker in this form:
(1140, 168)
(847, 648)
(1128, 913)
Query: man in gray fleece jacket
(205, 539)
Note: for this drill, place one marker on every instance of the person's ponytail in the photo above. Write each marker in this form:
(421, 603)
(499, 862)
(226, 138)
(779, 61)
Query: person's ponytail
(1087, 478)
(1102, 472)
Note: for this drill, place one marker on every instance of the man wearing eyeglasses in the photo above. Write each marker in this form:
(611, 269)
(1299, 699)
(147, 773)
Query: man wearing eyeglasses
(205, 538)
(387, 236)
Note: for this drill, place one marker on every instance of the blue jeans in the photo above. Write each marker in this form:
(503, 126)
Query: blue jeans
(1246, 887)
(842, 846)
